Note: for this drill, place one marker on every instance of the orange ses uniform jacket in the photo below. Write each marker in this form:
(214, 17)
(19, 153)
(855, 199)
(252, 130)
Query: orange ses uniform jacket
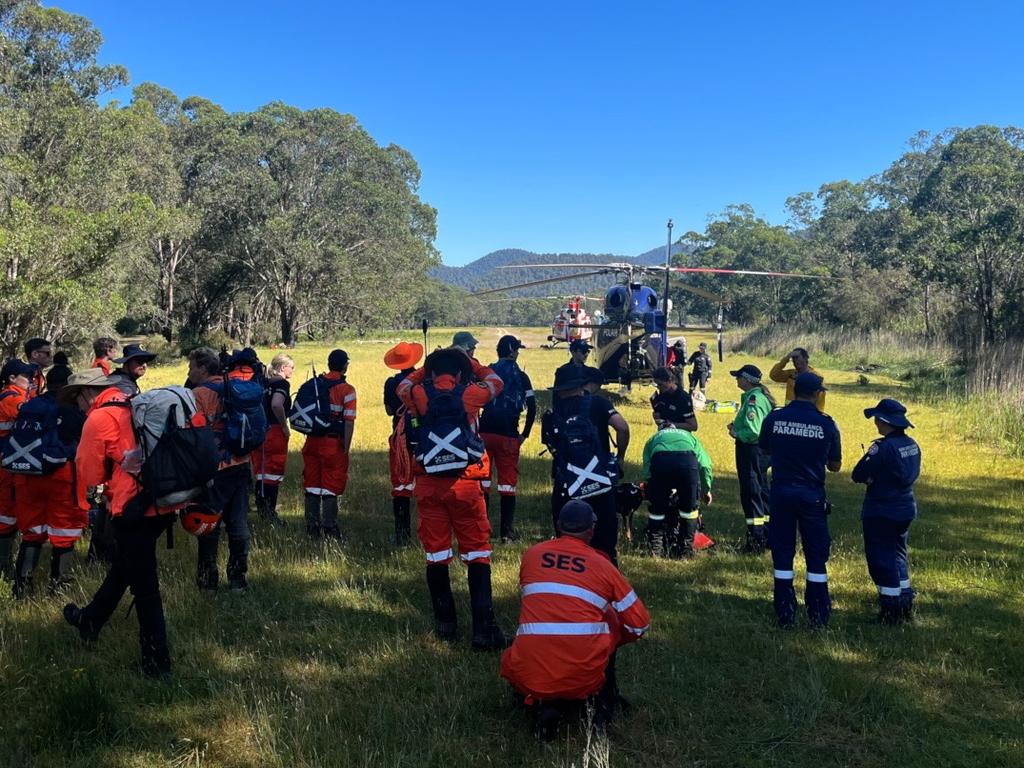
(209, 404)
(576, 610)
(106, 436)
(103, 364)
(11, 400)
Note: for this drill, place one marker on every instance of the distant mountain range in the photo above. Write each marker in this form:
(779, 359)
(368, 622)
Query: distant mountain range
(485, 273)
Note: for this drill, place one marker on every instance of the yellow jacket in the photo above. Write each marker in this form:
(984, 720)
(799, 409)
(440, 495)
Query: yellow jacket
(787, 376)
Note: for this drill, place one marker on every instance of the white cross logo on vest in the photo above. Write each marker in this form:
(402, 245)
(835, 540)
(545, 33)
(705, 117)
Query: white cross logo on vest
(455, 458)
(583, 475)
(302, 415)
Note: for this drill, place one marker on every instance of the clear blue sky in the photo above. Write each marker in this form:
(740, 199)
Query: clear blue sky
(584, 126)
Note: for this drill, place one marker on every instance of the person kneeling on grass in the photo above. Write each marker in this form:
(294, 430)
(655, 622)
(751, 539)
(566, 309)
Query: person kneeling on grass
(577, 609)
(890, 468)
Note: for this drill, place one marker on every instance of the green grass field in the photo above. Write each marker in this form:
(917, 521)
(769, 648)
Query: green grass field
(328, 659)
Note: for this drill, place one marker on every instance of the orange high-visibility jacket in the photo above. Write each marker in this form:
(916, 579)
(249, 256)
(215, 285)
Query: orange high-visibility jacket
(106, 437)
(576, 610)
(10, 404)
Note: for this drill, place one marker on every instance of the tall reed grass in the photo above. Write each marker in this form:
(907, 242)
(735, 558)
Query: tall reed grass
(983, 386)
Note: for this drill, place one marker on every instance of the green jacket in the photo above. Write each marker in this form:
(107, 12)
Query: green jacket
(754, 406)
(679, 441)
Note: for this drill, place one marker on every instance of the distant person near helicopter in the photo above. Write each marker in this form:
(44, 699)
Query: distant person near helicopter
(701, 371)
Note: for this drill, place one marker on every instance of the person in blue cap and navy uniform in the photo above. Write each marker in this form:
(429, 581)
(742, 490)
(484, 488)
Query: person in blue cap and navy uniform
(802, 443)
(889, 469)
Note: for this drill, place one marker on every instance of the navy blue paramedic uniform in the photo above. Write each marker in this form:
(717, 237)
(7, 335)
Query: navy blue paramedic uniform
(889, 468)
(801, 441)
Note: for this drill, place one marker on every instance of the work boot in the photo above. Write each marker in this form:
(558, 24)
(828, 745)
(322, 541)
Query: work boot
(890, 613)
(400, 506)
(330, 506)
(442, 601)
(24, 566)
(207, 577)
(655, 535)
(156, 658)
(508, 518)
(549, 720)
(6, 546)
(907, 604)
(487, 635)
(60, 563)
(77, 618)
(785, 603)
(311, 510)
(238, 566)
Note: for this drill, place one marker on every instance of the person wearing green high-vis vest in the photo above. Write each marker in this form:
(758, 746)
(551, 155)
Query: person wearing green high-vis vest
(751, 461)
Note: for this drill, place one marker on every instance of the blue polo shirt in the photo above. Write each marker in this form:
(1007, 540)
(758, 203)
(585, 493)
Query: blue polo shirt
(801, 441)
(889, 468)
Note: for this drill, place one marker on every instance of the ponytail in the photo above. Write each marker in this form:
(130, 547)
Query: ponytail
(768, 394)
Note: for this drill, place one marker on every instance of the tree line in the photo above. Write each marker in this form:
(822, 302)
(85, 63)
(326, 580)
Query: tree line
(178, 217)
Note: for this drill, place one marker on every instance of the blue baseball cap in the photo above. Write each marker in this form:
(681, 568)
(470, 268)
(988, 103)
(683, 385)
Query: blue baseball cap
(891, 412)
(580, 344)
(576, 516)
(808, 383)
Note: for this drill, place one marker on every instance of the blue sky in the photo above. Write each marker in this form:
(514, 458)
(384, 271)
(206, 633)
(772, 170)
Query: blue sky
(571, 126)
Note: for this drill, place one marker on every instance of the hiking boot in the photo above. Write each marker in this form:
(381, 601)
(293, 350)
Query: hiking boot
(442, 602)
(156, 663)
(489, 637)
(24, 568)
(511, 536)
(448, 631)
(314, 532)
(207, 578)
(75, 616)
(334, 532)
(238, 566)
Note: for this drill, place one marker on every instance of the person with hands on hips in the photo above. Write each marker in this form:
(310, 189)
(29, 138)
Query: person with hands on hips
(889, 469)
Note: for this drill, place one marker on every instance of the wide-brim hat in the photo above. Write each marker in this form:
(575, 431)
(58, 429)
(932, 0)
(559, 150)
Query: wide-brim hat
(464, 339)
(572, 377)
(447, 360)
(134, 352)
(891, 412)
(91, 378)
(405, 354)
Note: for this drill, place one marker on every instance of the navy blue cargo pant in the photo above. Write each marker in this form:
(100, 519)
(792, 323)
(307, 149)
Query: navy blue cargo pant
(885, 547)
(805, 509)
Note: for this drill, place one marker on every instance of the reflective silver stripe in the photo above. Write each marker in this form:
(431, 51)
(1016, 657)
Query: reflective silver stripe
(506, 488)
(567, 590)
(637, 630)
(348, 412)
(406, 487)
(320, 492)
(625, 602)
(4, 520)
(529, 393)
(817, 578)
(65, 531)
(563, 628)
(350, 397)
(337, 408)
(656, 517)
(38, 528)
(904, 583)
(277, 478)
(436, 557)
(476, 555)
(889, 591)
(6, 425)
(750, 521)
(783, 574)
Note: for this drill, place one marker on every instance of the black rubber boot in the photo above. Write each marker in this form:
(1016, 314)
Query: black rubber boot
(442, 601)
(655, 535)
(60, 564)
(311, 505)
(487, 635)
(238, 566)
(78, 619)
(28, 558)
(331, 529)
(508, 519)
(156, 658)
(269, 500)
(6, 547)
(207, 577)
(401, 507)
(890, 613)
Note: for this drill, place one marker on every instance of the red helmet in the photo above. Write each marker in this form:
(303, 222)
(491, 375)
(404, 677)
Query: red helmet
(198, 519)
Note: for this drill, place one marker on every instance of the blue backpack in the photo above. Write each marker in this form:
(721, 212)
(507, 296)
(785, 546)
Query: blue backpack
(245, 422)
(512, 400)
(33, 446)
(311, 412)
(445, 444)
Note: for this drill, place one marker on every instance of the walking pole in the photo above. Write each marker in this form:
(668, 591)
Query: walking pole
(425, 326)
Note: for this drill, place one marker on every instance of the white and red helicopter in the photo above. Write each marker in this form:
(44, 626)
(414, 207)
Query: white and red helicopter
(572, 322)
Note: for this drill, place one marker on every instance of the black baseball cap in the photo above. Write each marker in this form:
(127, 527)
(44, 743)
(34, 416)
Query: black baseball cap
(576, 516)
(508, 344)
(581, 344)
(15, 367)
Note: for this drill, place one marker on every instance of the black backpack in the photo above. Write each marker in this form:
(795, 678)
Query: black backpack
(311, 411)
(33, 446)
(445, 443)
(582, 467)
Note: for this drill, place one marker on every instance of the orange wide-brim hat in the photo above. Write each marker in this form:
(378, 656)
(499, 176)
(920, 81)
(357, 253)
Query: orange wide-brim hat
(403, 355)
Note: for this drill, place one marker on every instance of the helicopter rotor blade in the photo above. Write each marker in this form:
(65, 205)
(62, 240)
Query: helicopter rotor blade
(545, 281)
(609, 267)
(701, 292)
(719, 271)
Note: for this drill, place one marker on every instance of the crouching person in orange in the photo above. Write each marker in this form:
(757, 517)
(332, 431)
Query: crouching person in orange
(577, 609)
(15, 379)
(40, 452)
(445, 397)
